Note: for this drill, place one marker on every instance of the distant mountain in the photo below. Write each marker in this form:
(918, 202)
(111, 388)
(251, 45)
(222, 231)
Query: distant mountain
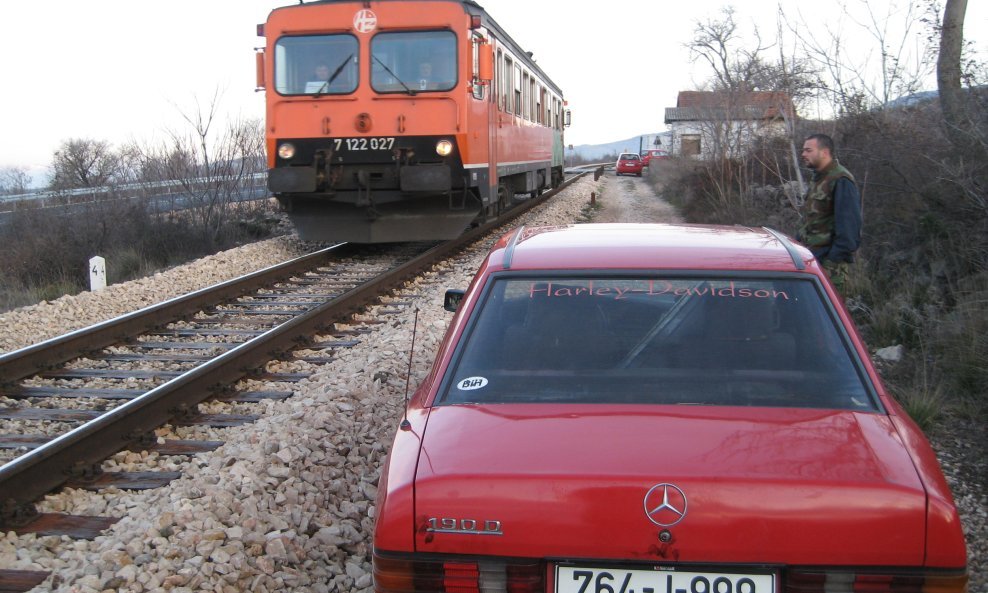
(914, 99)
(633, 144)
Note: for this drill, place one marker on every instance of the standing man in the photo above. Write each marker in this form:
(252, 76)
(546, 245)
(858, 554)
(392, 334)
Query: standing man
(831, 214)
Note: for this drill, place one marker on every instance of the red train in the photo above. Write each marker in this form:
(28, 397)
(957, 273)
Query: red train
(403, 120)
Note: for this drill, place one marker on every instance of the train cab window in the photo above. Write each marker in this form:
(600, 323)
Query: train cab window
(316, 65)
(413, 62)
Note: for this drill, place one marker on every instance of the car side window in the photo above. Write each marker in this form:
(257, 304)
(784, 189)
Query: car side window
(713, 341)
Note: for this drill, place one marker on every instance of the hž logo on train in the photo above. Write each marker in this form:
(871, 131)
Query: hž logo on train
(365, 21)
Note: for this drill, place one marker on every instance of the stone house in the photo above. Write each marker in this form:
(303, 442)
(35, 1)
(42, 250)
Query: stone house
(711, 124)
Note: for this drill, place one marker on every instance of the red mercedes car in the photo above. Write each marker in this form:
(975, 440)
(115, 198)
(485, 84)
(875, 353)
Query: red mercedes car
(659, 409)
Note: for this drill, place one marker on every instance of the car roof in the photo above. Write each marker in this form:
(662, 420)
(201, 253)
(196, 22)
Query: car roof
(648, 246)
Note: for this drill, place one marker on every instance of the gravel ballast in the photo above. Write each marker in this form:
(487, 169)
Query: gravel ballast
(287, 503)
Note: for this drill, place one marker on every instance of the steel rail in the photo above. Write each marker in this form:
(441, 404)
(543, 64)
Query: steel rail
(31, 476)
(39, 357)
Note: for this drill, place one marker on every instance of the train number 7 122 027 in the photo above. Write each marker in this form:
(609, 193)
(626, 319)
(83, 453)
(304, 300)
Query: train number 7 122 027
(364, 143)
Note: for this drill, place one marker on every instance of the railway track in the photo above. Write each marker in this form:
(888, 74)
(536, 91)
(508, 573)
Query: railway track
(93, 392)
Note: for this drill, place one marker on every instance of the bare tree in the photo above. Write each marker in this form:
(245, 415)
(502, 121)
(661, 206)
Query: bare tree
(84, 163)
(718, 43)
(14, 180)
(895, 65)
(752, 98)
(210, 164)
(961, 127)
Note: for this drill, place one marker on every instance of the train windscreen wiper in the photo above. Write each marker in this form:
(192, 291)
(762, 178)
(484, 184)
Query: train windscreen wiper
(395, 76)
(329, 81)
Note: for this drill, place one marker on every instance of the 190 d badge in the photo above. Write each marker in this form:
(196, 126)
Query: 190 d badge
(466, 526)
(665, 504)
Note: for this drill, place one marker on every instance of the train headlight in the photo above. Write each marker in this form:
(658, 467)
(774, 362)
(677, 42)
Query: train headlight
(444, 147)
(286, 150)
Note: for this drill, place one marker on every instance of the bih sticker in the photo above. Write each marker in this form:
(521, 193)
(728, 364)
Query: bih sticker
(471, 383)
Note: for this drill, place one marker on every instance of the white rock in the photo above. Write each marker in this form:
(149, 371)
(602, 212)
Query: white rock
(891, 353)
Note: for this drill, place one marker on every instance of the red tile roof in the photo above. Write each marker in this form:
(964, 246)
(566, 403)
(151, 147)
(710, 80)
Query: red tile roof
(693, 105)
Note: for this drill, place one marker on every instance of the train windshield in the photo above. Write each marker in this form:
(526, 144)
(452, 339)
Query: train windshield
(413, 62)
(316, 65)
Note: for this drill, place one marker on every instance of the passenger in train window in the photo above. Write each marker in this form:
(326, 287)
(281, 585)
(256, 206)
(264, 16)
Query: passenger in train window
(320, 80)
(426, 81)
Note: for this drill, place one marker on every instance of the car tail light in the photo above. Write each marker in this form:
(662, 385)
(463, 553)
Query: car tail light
(408, 574)
(812, 581)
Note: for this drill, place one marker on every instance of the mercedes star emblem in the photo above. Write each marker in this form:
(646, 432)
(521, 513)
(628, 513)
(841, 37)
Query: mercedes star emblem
(665, 504)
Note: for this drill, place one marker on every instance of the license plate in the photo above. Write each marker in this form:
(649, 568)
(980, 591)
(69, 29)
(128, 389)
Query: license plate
(572, 579)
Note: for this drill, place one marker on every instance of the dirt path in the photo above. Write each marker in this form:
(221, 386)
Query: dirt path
(632, 199)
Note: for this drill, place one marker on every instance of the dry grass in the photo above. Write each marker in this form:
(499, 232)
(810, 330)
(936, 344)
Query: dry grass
(47, 252)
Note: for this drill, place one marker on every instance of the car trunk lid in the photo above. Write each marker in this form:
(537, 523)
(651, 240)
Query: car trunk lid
(737, 485)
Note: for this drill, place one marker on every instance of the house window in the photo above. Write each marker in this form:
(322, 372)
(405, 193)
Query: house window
(690, 145)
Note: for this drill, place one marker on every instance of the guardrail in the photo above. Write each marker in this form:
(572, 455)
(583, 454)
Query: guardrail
(256, 180)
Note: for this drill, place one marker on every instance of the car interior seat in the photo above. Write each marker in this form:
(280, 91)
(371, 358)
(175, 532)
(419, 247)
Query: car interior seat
(739, 333)
(569, 333)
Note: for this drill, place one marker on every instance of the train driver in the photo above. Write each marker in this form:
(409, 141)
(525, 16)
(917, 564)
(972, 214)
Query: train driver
(320, 80)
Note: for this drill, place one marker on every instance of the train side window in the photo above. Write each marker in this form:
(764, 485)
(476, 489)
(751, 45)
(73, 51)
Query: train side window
(316, 64)
(533, 100)
(499, 80)
(539, 91)
(518, 109)
(536, 117)
(527, 96)
(508, 86)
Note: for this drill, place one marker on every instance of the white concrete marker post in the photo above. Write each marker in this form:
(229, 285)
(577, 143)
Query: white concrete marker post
(97, 273)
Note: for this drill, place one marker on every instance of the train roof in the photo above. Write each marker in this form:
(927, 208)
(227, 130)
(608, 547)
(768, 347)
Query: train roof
(470, 7)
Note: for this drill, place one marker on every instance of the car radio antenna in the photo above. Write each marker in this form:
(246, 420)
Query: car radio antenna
(405, 424)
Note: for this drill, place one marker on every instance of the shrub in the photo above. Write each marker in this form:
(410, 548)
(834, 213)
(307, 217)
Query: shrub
(48, 250)
(921, 279)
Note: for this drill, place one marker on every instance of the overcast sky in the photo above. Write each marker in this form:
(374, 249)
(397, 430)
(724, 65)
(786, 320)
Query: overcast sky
(122, 70)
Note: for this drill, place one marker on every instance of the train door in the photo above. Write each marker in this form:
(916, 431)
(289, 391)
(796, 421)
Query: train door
(498, 201)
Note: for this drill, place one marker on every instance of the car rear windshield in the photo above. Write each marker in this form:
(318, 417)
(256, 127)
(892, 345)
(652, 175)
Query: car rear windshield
(702, 341)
